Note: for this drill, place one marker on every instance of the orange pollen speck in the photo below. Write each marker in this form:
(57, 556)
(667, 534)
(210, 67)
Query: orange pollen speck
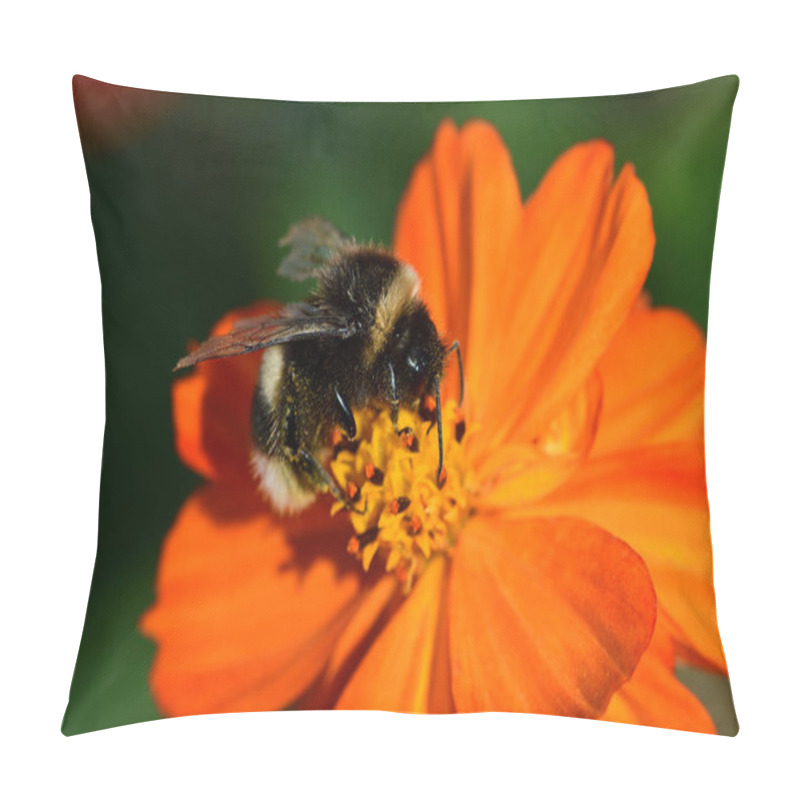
(405, 516)
(408, 439)
(373, 474)
(398, 504)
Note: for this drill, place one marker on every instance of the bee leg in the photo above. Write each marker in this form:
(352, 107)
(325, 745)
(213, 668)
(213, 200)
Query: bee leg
(318, 474)
(439, 433)
(395, 404)
(346, 418)
(321, 477)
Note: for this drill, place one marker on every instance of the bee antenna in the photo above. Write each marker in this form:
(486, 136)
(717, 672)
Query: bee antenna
(439, 430)
(450, 349)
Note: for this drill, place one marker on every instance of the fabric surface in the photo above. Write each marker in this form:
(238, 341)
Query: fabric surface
(559, 562)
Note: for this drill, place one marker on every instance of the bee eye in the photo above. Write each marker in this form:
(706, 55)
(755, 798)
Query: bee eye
(416, 361)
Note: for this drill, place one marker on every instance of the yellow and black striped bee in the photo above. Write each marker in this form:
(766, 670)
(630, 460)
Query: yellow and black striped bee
(363, 337)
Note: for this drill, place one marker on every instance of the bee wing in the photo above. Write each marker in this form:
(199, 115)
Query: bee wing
(314, 243)
(262, 332)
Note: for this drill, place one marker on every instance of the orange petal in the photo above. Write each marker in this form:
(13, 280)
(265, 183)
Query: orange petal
(379, 602)
(655, 499)
(585, 252)
(653, 376)
(457, 224)
(654, 696)
(546, 616)
(211, 409)
(248, 606)
(397, 674)
(518, 474)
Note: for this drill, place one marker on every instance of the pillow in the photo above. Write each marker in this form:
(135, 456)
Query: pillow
(443, 448)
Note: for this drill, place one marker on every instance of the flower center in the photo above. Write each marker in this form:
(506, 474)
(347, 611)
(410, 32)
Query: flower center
(401, 513)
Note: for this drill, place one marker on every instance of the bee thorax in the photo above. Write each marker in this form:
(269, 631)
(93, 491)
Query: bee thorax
(399, 293)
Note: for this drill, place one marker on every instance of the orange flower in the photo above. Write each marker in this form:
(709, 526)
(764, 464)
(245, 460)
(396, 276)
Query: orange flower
(564, 564)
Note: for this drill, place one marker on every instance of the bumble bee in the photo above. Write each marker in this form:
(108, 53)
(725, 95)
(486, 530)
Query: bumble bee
(363, 337)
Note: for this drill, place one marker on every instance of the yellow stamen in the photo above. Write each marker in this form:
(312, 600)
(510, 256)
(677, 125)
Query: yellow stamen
(403, 516)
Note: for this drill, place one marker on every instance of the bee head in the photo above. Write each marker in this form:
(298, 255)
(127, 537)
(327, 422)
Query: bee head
(415, 353)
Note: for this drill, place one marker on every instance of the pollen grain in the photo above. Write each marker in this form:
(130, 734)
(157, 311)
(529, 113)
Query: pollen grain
(403, 516)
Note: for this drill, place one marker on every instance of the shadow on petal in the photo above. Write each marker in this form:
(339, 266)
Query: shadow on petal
(248, 606)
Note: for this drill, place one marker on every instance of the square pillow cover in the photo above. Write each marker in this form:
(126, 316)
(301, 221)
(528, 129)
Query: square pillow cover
(404, 407)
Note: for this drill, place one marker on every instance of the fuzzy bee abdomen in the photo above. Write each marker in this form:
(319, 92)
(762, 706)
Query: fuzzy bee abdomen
(274, 434)
(268, 402)
(278, 480)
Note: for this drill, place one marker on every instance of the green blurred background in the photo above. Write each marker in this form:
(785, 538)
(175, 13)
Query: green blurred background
(188, 207)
